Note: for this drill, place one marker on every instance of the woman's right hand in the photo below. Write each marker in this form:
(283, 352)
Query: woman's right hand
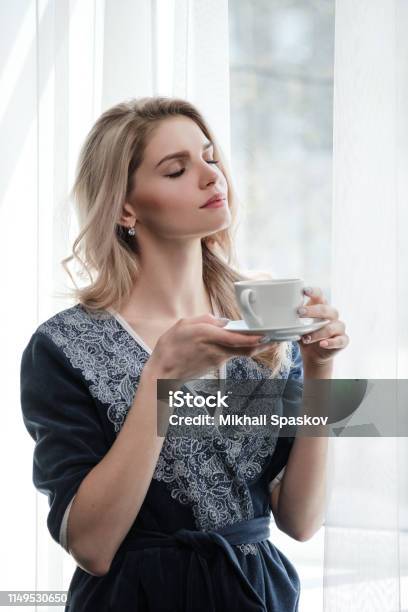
(192, 346)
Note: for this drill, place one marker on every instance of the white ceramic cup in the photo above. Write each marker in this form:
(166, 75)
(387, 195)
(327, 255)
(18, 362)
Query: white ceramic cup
(270, 304)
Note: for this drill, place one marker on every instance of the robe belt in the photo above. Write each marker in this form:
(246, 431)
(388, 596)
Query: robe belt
(201, 583)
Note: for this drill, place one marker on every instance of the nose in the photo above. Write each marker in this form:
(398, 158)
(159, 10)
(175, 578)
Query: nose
(210, 173)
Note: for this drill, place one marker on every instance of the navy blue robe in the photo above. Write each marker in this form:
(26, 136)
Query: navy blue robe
(200, 540)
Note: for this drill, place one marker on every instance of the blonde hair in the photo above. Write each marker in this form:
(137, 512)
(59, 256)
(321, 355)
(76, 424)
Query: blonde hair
(111, 153)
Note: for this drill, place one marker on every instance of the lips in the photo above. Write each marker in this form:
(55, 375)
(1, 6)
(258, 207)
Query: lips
(215, 198)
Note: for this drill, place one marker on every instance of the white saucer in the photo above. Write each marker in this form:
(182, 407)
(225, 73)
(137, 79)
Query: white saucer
(279, 334)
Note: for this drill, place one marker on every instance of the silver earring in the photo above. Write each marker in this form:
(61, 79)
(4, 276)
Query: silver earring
(131, 231)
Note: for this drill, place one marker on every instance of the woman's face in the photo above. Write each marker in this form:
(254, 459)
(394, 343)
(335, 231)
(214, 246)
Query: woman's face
(168, 194)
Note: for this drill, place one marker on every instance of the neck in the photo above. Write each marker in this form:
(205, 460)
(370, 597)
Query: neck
(170, 284)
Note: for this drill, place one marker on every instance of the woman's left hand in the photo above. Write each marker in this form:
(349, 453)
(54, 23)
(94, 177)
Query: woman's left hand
(319, 347)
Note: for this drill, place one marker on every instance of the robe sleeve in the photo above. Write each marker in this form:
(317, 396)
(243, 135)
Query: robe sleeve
(61, 416)
(284, 444)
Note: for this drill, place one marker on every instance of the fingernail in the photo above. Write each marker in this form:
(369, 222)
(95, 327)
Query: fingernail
(301, 310)
(222, 321)
(263, 340)
(307, 289)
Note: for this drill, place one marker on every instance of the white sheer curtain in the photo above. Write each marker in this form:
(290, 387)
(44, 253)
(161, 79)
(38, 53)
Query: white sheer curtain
(366, 527)
(62, 64)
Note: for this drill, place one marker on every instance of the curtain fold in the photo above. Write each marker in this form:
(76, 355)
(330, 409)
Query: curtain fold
(366, 516)
(62, 64)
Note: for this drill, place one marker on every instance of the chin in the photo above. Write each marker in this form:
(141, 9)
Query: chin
(218, 228)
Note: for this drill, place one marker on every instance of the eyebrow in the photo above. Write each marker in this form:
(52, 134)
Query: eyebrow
(182, 154)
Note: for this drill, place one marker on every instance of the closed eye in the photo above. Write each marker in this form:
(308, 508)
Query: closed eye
(180, 172)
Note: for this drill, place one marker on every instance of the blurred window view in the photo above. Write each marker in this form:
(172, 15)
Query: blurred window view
(281, 92)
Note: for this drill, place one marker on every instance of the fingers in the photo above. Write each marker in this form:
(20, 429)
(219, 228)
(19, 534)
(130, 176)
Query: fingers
(338, 342)
(230, 339)
(331, 329)
(315, 293)
(320, 311)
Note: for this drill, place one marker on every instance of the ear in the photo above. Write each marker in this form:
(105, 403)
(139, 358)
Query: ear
(128, 217)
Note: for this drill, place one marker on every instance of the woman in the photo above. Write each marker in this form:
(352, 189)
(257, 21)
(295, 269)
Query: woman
(170, 523)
